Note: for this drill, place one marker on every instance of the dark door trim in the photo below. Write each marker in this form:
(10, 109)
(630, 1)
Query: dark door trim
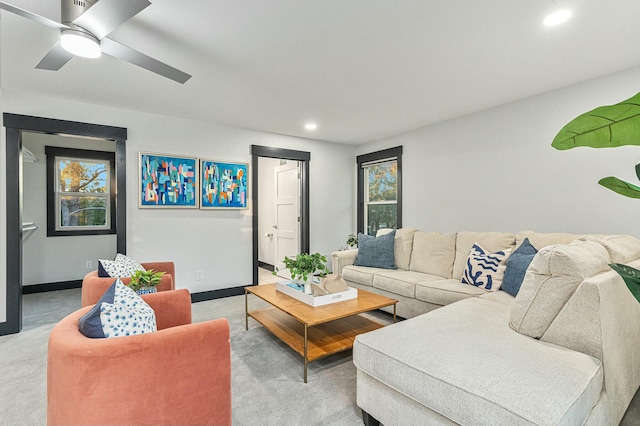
(15, 124)
(286, 154)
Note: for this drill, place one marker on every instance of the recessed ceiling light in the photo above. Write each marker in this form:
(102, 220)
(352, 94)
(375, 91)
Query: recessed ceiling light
(311, 126)
(557, 17)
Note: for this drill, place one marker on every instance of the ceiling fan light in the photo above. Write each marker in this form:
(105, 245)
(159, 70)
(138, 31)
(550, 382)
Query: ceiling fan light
(557, 17)
(80, 44)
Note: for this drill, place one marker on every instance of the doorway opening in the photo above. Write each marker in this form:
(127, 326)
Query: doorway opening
(15, 125)
(280, 200)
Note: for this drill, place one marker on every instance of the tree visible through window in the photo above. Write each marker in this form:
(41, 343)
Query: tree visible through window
(82, 193)
(379, 190)
(81, 199)
(381, 196)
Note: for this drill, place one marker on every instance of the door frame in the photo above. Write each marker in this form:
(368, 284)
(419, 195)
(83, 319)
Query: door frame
(285, 154)
(15, 124)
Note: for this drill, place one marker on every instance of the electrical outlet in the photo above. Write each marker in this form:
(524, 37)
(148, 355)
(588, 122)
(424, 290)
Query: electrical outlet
(88, 264)
(199, 275)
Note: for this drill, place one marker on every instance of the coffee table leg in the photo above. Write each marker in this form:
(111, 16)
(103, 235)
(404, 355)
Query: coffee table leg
(246, 310)
(306, 361)
(394, 312)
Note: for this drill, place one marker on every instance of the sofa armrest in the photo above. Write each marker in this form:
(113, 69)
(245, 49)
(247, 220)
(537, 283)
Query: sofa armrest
(340, 259)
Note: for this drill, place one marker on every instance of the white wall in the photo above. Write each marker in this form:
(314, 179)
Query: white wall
(496, 169)
(55, 259)
(214, 241)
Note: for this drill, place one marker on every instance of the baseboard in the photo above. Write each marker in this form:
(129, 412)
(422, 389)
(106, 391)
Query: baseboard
(266, 266)
(41, 288)
(216, 294)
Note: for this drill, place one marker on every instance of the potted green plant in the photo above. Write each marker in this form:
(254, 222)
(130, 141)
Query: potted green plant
(304, 267)
(352, 240)
(144, 282)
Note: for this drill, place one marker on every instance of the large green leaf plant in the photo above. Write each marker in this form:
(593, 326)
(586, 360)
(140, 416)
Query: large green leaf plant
(607, 127)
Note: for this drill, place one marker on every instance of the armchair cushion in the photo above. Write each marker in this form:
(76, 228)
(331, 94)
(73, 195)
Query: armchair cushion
(119, 312)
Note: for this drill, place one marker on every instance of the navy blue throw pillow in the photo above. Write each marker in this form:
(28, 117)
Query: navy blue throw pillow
(376, 252)
(517, 265)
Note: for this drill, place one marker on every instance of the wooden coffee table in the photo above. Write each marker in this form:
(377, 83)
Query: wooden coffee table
(315, 332)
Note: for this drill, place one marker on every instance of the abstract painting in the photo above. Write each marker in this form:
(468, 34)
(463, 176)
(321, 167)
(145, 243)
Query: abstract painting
(168, 181)
(223, 185)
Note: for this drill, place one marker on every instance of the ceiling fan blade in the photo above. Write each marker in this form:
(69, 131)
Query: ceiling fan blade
(107, 15)
(55, 58)
(30, 15)
(120, 51)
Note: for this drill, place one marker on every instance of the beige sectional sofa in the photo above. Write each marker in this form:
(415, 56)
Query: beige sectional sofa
(564, 351)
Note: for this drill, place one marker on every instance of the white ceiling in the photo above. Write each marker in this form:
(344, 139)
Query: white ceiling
(361, 69)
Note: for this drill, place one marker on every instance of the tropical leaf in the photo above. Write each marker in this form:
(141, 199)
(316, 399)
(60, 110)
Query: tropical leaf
(603, 127)
(638, 170)
(631, 277)
(620, 186)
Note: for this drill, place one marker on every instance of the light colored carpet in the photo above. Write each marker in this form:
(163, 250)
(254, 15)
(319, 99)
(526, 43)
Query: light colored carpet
(267, 382)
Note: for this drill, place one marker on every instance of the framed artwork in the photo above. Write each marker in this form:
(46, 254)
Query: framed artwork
(168, 181)
(223, 185)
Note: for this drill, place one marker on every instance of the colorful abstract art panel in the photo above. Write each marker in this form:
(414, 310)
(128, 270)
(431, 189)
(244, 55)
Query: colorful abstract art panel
(168, 181)
(223, 185)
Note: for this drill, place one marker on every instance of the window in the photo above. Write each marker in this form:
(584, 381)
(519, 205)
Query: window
(379, 190)
(80, 196)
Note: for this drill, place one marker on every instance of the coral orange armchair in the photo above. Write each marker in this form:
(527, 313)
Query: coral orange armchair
(179, 375)
(93, 286)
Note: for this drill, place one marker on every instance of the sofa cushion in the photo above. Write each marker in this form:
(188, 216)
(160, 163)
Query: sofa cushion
(119, 312)
(553, 276)
(403, 245)
(621, 248)
(464, 355)
(433, 253)
(398, 282)
(543, 239)
(377, 252)
(485, 269)
(491, 241)
(444, 292)
(501, 297)
(360, 274)
(517, 265)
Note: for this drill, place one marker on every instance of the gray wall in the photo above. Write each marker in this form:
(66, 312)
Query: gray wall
(54, 259)
(496, 169)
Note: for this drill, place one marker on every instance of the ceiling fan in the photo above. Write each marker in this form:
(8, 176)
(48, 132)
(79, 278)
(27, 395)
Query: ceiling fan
(84, 29)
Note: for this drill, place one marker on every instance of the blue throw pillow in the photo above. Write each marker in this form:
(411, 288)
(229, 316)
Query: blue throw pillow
(119, 312)
(517, 265)
(376, 252)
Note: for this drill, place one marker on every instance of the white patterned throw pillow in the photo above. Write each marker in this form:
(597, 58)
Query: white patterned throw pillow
(119, 312)
(484, 269)
(122, 266)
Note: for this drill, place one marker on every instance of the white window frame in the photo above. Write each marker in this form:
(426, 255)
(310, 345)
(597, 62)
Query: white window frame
(59, 194)
(368, 203)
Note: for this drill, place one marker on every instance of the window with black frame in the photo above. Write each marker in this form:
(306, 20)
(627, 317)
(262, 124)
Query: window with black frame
(380, 190)
(80, 192)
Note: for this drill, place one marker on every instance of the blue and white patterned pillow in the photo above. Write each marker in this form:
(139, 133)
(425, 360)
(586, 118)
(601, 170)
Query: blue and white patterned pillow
(119, 312)
(484, 269)
(122, 266)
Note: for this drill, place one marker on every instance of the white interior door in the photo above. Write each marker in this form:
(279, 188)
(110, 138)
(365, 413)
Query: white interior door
(287, 213)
